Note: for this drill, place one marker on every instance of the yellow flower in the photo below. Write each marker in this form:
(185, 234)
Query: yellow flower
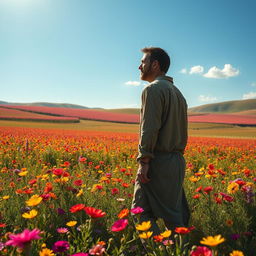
(30, 215)
(64, 179)
(71, 223)
(212, 240)
(194, 179)
(232, 188)
(23, 173)
(34, 200)
(46, 252)
(6, 197)
(145, 235)
(80, 192)
(144, 226)
(166, 233)
(236, 253)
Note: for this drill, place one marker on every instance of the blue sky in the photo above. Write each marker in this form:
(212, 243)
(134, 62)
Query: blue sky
(87, 52)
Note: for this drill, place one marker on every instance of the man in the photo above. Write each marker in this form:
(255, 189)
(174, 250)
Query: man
(163, 138)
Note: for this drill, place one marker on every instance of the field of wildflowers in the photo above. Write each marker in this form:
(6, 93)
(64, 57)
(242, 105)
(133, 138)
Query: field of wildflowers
(65, 192)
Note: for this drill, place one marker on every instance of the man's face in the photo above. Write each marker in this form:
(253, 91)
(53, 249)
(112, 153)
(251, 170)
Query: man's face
(145, 67)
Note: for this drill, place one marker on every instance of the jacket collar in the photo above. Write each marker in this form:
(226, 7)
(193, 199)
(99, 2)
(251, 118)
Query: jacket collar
(168, 78)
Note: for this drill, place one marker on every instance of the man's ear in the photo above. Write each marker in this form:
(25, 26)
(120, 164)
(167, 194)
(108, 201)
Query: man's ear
(155, 65)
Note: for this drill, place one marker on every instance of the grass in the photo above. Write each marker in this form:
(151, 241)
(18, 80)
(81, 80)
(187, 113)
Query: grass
(194, 129)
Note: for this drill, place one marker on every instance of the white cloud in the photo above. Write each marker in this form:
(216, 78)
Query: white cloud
(250, 95)
(227, 71)
(196, 70)
(204, 98)
(183, 71)
(133, 83)
(253, 84)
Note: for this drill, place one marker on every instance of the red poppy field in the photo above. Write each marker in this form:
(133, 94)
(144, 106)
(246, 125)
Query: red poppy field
(14, 114)
(68, 192)
(122, 117)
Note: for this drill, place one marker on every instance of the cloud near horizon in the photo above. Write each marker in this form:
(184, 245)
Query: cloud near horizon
(196, 70)
(226, 72)
(250, 95)
(204, 98)
(133, 83)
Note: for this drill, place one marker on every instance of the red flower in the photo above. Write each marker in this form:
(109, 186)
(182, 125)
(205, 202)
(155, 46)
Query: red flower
(94, 213)
(58, 172)
(184, 230)
(211, 166)
(201, 251)
(199, 189)
(119, 225)
(196, 196)
(78, 183)
(207, 190)
(66, 164)
(31, 182)
(114, 191)
(76, 208)
(240, 182)
(218, 200)
(82, 159)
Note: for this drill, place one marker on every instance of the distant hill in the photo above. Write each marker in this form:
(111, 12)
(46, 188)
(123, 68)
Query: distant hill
(243, 107)
(124, 110)
(45, 104)
(226, 107)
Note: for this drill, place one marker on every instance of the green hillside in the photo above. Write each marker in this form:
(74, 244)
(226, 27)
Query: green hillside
(124, 110)
(226, 107)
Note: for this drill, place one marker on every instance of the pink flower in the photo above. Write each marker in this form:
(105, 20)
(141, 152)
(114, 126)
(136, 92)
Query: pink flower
(137, 210)
(20, 240)
(119, 225)
(97, 250)
(201, 251)
(80, 254)
(60, 246)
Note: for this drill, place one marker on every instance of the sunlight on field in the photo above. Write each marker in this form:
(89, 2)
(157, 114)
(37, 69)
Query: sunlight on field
(194, 129)
(83, 125)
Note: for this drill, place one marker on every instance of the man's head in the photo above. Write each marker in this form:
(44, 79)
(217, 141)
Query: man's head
(155, 62)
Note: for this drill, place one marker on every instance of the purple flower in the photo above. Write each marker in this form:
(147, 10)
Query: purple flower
(60, 211)
(235, 236)
(60, 246)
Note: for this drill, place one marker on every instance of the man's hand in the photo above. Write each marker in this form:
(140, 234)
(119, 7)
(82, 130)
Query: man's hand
(143, 172)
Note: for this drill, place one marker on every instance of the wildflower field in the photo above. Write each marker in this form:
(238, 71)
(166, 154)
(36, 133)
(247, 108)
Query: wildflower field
(68, 192)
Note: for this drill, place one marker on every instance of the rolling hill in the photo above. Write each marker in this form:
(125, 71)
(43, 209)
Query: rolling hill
(45, 104)
(226, 107)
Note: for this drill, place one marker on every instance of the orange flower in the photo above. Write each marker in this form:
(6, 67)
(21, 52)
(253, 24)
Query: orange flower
(124, 213)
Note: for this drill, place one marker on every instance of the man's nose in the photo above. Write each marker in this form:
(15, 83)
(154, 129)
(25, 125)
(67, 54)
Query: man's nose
(140, 67)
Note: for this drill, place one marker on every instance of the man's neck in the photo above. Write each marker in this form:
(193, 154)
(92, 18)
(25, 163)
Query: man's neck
(154, 76)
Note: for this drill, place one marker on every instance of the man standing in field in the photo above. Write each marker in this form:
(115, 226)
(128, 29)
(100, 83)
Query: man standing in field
(163, 138)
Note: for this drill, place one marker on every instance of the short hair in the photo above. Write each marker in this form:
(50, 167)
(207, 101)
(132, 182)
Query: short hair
(160, 55)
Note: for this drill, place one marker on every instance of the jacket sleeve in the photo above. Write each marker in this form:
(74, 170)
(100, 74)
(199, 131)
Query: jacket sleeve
(150, 121)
